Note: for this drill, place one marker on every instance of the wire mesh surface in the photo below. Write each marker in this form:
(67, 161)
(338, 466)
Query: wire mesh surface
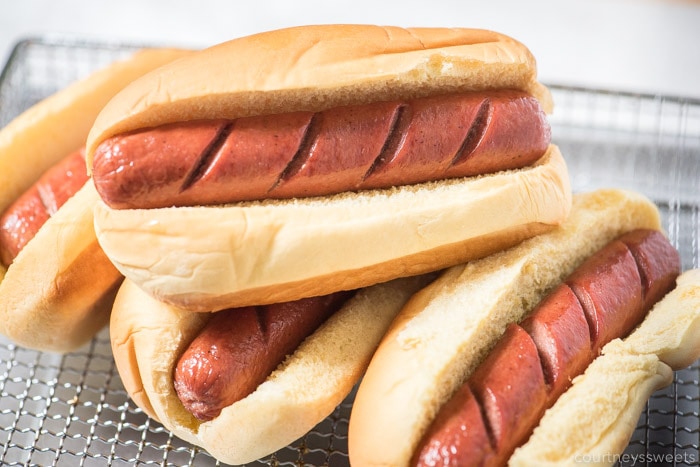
(73, 410)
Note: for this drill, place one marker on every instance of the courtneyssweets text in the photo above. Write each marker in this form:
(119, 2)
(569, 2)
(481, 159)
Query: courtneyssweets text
(638, 459)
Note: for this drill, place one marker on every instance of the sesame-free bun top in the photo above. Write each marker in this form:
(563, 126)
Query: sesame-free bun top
(317, 67)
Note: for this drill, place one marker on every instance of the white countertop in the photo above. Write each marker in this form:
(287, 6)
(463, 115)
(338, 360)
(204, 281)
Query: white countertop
(650, 46)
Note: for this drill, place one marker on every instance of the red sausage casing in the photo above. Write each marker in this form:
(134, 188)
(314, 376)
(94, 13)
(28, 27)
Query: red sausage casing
(23, 219)
(238, 349)
(511, 389)
(610, 292)
(303, 154)
(562, 336)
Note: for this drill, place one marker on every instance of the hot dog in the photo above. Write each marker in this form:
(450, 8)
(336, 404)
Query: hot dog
(151, 339)
(456, 373)
(666, 340)
(56, 283)
(238, 349)
(525, 373)
(302, 154)
(363, 153)
(23, 219)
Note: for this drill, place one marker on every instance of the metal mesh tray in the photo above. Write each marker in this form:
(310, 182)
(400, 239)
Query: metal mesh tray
(73, 410)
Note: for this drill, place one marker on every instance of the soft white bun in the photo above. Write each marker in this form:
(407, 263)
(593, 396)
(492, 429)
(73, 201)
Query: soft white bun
(215, 257)
(57, 292)
(595, 418)
(447, 328)
(149, 336)
(672, 329)
(316, 67)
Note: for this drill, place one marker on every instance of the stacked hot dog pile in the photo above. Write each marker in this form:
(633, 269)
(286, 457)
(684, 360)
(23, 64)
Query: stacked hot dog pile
(296, 209)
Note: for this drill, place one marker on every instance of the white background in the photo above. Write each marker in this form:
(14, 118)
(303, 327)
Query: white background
(650, 46)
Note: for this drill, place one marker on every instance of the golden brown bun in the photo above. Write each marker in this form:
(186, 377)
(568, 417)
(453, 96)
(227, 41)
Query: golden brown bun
(596, 417)
(149, 336)
(317, 67)
(57, 293)
(215, 257)
(447, 328)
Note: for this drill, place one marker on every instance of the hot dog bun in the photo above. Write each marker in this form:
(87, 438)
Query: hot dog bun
(148, 336)
(215, 257)
(447, 328)
(57, 293)
(596, 417)
(319, 67)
